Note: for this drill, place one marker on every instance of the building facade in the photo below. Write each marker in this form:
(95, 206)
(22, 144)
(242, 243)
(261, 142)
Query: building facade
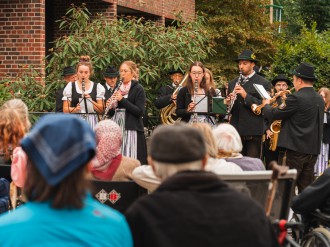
(27, 27)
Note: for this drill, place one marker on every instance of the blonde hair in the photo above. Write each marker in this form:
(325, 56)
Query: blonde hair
(211, 83)
(227, 140)
(11, 131)
(211, 147)
(85, 61)
(21, 108)
(326, 92)
(133, 68)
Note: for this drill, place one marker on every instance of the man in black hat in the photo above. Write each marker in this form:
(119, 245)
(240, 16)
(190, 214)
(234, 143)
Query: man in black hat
(280, 83)
(242, 96)
(110, 76)
(69, 75)
(301, 126)
(193, 207)
(166, 96)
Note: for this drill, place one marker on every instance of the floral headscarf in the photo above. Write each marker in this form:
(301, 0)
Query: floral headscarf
(108, 144)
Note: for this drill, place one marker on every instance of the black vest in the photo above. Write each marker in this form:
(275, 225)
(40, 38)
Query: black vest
(76, 96)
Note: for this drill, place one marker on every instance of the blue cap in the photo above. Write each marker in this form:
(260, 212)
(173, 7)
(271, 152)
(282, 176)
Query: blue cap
(58, 145)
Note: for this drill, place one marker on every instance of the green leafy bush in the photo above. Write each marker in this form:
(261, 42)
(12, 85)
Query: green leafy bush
(155, 48)
(311, 47)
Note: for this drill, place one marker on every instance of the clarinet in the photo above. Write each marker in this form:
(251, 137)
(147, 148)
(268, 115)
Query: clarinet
(232, 102)
(195, 117)
(83, 89)
(110, 106)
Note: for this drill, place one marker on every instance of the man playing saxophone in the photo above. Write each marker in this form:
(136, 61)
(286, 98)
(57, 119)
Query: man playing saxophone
(281, 83)
(301, 125)
(249, 126)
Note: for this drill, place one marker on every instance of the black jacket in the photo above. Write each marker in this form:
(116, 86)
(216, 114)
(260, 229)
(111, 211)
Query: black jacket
(243, 119)
(196, 208)
(135, 107)
(182, 101)
(302, 121)
(326, 129)
(59, 101)
(314, 196)
(164, 97)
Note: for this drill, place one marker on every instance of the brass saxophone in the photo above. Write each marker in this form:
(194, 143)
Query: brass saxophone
(275, 127)
(167, 113)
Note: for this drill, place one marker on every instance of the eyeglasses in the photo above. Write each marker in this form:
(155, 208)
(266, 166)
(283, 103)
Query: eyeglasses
(196, 73)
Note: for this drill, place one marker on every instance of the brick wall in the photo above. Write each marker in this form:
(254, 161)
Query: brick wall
(107, 9)
(164, 8)
(22, 35)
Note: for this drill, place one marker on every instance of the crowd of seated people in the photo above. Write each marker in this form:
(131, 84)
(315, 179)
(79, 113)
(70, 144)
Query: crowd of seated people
(62, 150)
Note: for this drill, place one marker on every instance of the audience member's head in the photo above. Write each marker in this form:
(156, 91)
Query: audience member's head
(108, 143)
(175, 148)
(227, 140)
(22, 110)
(59, 147)
(14, 123)
(211, 147)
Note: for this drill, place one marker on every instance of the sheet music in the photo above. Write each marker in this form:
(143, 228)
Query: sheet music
(262, 91)
(90, 108)
(201, 101)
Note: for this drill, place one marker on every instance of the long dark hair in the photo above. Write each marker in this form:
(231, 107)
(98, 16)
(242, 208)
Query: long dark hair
(69, 193)
(190, 84)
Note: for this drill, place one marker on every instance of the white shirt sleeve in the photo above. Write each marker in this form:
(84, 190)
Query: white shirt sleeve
(221, 166)
(145, 177)
(100, 91)
(67, 92)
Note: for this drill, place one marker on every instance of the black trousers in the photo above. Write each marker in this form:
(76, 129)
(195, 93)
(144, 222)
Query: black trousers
(303, 163)
(252, 146)
(268, 154)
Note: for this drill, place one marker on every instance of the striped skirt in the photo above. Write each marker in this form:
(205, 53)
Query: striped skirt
(129, 144)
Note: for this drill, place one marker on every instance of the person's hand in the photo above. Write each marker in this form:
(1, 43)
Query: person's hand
(240, 90)
(191, 107)
(77, 108)
(173, 97)
(269, 134)
(108, 101)
(230, 97)
(117, 96)
(266, 101)
(87, 95)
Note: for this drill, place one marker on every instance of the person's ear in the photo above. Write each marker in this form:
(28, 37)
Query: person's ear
(204, 161)
(151, 163)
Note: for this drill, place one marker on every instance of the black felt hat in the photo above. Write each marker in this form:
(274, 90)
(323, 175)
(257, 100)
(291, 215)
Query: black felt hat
(247, 55)
(70, 70)
(281, 77)
(173, 71)
(305, 71)
(111, 72)
(177, 144)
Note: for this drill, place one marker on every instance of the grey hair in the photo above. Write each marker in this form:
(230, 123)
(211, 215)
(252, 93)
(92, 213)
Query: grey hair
(21, 108)
(227, 138)
(165, 170)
